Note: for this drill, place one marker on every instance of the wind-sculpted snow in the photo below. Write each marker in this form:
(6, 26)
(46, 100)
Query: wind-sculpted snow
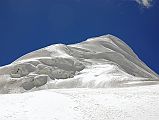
(99, 62)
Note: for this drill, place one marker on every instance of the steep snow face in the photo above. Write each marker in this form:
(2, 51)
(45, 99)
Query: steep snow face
(99, 62)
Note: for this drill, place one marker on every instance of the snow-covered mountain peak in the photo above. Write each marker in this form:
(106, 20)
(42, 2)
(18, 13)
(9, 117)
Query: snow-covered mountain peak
(104, 61)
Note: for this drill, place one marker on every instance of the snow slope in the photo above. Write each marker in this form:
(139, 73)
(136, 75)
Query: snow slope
(106, 80)
(130, 103)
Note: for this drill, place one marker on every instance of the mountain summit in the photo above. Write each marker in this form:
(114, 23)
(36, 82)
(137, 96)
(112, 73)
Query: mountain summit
(99, 62)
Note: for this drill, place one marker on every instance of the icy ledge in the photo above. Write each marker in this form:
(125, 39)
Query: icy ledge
(99, 62)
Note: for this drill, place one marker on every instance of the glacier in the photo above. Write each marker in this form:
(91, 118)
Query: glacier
(100, 62)
(97, 79)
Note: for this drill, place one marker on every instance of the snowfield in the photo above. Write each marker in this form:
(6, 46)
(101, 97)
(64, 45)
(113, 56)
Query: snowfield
(98, 79)
(131, 103)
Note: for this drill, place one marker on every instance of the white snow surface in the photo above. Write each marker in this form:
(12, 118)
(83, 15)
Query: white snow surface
(131, 103)
(98, 79)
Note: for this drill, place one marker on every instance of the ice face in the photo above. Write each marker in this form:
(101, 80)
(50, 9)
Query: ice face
(21, 70)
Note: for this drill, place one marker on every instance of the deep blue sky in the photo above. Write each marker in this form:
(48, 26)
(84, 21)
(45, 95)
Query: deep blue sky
(27, 25)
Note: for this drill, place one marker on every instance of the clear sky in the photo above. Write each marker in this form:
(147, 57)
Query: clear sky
(27, 25)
